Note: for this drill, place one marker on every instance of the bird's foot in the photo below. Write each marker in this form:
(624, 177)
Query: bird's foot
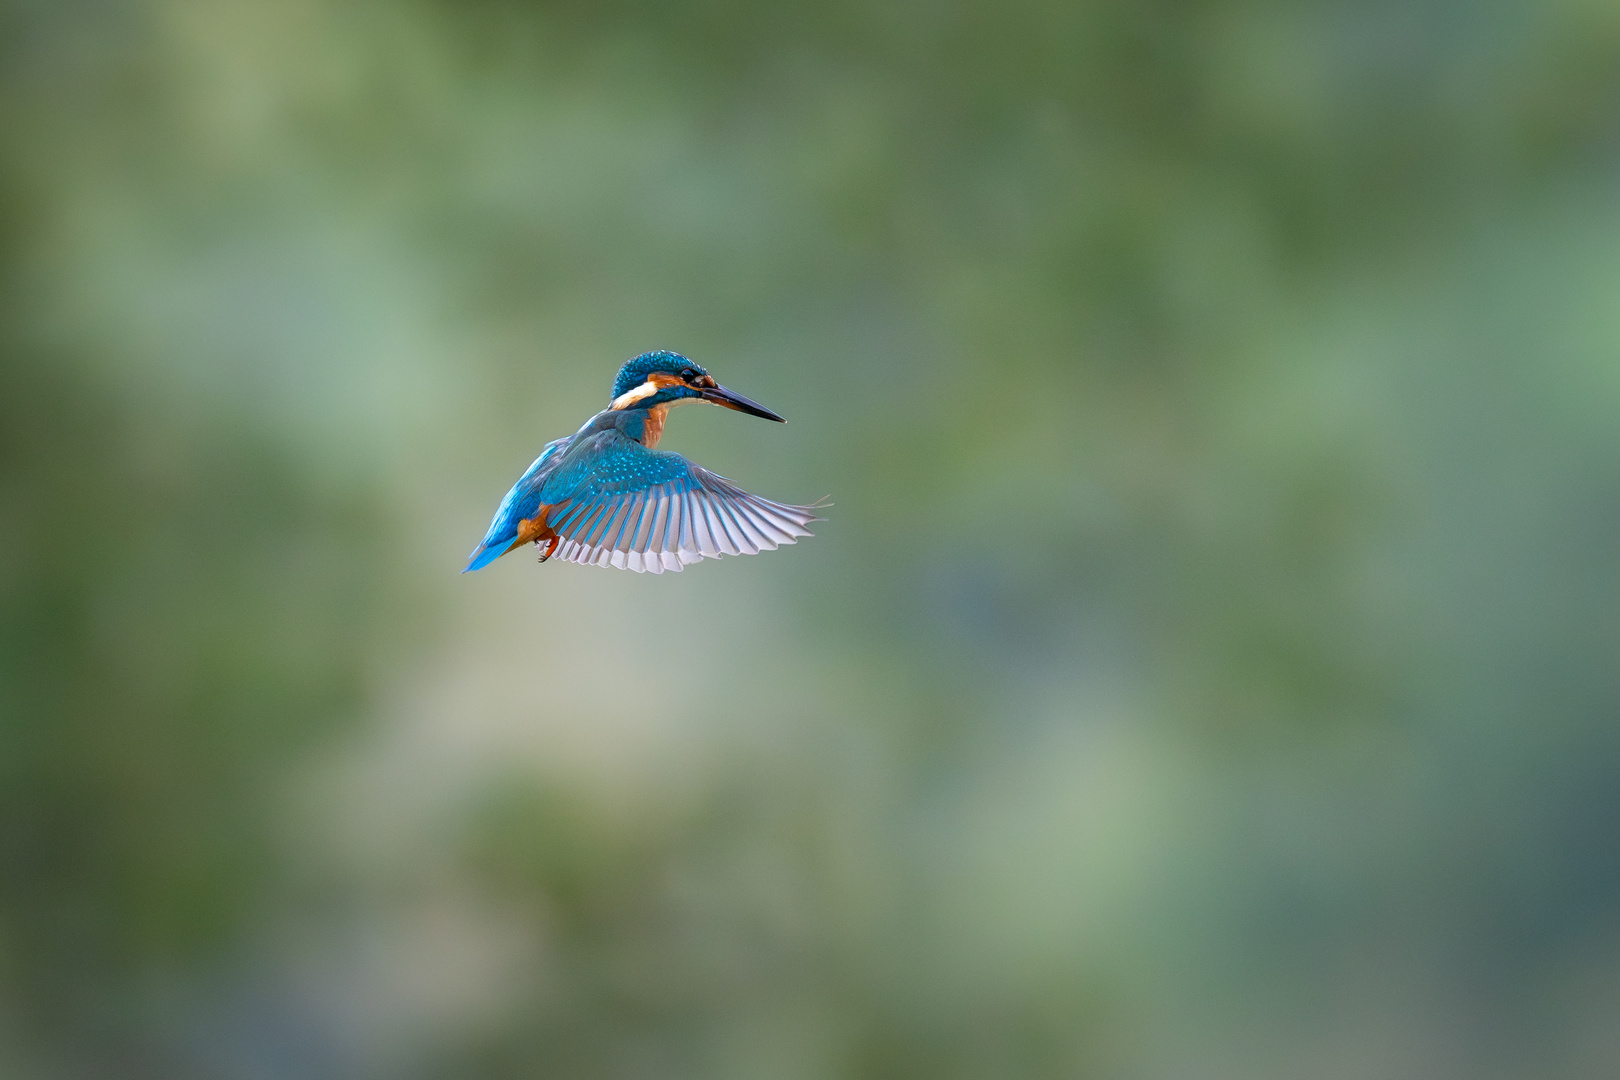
(551, 547)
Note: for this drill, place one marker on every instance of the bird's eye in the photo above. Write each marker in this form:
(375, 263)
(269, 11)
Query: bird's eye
(688, 374)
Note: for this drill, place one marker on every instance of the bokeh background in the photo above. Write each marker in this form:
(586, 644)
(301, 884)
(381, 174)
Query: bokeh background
(1210, 669)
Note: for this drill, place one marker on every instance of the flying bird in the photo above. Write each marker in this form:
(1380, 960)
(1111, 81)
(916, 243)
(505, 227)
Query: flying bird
(607, 496)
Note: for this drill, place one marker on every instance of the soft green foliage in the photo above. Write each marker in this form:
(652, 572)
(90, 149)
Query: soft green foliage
(1208, 669)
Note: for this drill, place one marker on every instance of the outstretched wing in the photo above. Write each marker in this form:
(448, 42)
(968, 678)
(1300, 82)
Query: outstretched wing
(651, 511)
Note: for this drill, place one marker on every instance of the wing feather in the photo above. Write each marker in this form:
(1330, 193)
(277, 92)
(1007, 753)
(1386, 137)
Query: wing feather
(650, 511)
(783, 524)
(728, 516)
(649, 508)
(615, 532)
(658, 540)
(614, 522)
(717, 533)
(689, 542)
(678, 539)
(702, 542)
(767, 532)
(588, 526)
(756, 539)
(671, 543)
(593, 527)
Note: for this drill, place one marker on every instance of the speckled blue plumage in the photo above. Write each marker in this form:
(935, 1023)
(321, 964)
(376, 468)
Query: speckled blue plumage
(604, 455)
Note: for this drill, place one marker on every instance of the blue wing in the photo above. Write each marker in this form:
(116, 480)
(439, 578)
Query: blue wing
(620, 504)
(521, 502)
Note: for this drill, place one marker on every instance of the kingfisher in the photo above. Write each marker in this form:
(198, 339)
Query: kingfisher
(607, 496)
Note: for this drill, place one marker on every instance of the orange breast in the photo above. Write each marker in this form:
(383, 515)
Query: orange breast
(655, 426)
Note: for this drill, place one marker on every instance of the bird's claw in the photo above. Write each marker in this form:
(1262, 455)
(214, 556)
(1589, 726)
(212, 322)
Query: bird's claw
(535, 530)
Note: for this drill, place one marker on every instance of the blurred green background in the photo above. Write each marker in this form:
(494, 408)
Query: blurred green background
(1210, 669)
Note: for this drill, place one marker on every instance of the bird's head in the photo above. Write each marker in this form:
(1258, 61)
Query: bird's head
(668, 378)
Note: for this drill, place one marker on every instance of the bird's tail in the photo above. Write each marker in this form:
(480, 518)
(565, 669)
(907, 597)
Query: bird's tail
(488, 552)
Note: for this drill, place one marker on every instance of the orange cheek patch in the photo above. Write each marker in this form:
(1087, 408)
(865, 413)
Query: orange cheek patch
(658, 380)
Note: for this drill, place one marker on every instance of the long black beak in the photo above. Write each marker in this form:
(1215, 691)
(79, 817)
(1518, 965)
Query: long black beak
(719, 395)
